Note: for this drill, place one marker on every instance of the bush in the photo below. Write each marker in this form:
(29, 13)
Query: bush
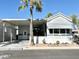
(57, 43)
(44, 42)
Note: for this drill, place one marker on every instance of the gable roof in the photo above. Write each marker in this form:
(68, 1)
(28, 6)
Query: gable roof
(58, 15)
(59, 20)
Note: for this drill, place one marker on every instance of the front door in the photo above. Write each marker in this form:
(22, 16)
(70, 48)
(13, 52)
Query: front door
(25, 35)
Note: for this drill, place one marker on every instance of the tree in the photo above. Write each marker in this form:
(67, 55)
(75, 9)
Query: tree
(31, 3)
(74, 19)
(49, 14)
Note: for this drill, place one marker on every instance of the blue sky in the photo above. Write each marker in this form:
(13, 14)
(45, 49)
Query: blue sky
(8, 8)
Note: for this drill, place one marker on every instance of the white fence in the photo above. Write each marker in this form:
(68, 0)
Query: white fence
(39, 38)
(53, 39)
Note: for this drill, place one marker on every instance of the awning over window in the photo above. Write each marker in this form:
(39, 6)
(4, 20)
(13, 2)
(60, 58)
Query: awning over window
(61, 26)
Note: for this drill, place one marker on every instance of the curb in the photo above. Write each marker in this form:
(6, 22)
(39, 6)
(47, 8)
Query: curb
(4, 49)
(39, 48)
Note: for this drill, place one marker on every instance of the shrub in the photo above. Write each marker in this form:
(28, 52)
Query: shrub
(44, 42)
(57, 43)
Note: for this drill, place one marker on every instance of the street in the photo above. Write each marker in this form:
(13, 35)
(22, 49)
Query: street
(41, 54)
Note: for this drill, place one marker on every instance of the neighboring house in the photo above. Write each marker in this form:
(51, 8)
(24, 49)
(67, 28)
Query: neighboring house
(55, 28)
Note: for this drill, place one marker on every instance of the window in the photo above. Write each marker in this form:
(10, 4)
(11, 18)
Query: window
(51, 30)
(68, 31)
(56, 30)
(62, 30)
(24, 33)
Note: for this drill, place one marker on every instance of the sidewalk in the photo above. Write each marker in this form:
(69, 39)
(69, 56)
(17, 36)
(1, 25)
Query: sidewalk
(37, 47)
(23, 46)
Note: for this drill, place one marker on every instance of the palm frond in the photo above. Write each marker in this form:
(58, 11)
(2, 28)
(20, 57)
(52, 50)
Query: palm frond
(38, 5)
(25, 2)
(21, 7)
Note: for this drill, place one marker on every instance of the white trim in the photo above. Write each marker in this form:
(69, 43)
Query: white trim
(3, 32)
(58, 15)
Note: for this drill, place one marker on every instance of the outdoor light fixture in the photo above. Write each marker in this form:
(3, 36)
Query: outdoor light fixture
(5, 29)
(16, 30)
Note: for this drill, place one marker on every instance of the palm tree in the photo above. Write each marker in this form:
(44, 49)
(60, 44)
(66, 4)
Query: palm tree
(31, 3)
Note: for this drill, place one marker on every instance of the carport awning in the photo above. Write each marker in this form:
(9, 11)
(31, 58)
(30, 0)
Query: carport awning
(26, 22)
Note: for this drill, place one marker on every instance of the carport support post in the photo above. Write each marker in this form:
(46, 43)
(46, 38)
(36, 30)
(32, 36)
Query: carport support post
(3, 31)
(10, 35)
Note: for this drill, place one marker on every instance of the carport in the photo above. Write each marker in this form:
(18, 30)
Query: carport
(7, 31)
(21, 28)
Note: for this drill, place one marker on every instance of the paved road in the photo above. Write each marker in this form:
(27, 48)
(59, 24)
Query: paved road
(40, 54)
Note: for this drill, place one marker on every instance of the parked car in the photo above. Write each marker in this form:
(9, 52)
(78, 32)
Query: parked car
(76, 37)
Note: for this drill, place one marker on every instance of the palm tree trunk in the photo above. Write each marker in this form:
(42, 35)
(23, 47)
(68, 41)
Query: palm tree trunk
(31, 41)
